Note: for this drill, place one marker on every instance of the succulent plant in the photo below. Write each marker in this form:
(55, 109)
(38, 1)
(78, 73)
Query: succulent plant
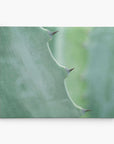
(31, 80)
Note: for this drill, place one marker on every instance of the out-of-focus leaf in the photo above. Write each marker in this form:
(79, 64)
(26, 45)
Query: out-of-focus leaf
(100, 74)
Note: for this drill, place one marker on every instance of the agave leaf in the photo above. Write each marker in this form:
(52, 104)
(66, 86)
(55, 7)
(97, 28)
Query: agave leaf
(31, 81)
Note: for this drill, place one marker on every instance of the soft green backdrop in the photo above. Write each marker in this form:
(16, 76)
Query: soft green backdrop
(91, 52)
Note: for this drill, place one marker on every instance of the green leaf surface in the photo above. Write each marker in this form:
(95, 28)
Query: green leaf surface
(31, 82)
(70, 51)
(100, 76)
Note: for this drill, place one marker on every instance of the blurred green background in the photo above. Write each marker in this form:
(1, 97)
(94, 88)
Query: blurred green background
(91, 52)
